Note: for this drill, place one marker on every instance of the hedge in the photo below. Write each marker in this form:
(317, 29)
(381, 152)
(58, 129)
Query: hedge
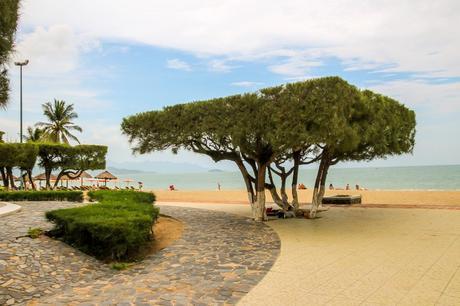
(115, 228)
(121, 195)
(48, 195)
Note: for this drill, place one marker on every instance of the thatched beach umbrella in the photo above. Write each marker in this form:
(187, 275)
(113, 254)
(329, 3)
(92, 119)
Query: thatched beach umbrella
(84, 175)
(106, 176)
(42, 177)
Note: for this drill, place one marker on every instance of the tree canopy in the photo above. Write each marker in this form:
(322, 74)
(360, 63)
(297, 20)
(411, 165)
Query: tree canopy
(60, 126)
(68, 160)
(276, 130)
(8, 26)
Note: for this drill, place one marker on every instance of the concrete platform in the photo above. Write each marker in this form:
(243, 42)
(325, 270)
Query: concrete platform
(361, 256)
(8, 208)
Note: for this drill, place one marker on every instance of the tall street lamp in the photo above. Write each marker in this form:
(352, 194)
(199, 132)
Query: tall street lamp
(21, 64)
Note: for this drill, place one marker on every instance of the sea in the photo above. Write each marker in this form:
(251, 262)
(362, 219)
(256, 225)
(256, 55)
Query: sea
(380, 178)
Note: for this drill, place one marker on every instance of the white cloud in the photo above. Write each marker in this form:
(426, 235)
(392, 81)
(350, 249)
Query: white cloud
(409, 36)
(246, 84)
(434, 98)
(53, 50)
(219, 66)
(178, 65)
(295, 67)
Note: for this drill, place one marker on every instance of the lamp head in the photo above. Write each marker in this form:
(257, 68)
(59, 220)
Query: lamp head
(21, 63)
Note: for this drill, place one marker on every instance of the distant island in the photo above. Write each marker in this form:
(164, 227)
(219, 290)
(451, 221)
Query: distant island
(116, 170)
(215, 170)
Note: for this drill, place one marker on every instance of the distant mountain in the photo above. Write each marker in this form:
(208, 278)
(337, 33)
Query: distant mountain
(116, 170)
(158, 166)
(216, 170)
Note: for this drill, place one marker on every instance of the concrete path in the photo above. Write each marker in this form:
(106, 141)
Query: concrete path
(377, 256)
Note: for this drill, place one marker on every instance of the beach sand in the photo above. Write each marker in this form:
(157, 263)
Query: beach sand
(376, 197)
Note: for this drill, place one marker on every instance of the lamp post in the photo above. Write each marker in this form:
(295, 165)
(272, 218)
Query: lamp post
(21, 64)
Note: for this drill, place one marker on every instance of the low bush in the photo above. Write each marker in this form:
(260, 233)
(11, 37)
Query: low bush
(121, 196)
(45, 195)
(115, 228)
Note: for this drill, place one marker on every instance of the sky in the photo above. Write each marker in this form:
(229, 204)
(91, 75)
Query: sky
(115, 58)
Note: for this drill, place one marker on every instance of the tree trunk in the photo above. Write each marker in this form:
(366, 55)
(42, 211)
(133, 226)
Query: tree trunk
(315, 198)
(322, 187)
(4, 177)
(295, 176)
(9, 172)
(284, 196)
(259, 212)
(29, 175)
(272, 188)
(47, 178)
(247, 181)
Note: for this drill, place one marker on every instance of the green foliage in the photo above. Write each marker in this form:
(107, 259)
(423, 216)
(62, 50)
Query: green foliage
(22, 155)
(119, 266)
(60, 126)
(80, 157)
(35, 232)
(121, 196)
(11, 196)
(8, 25)
(115, 228)
(34, 135)
(64, 157)
(324, 119)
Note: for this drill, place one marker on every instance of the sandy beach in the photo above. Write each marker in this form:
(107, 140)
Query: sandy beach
(371, 197)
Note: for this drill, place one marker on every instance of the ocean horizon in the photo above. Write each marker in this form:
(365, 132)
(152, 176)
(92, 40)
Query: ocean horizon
(444, 177)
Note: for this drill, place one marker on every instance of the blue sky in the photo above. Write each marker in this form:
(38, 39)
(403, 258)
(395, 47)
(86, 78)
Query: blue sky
(113, 59)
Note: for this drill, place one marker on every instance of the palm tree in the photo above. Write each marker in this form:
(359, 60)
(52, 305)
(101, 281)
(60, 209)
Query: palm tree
(60, 122)
(34, 135)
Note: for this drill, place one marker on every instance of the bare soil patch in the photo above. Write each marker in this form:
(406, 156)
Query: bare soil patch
(166, 231)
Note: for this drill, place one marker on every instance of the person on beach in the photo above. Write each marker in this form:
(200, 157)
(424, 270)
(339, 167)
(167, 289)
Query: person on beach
(348, 187)
(172, 188)
(331, 187)
(140, 185)
(357, 187)
(218, 186)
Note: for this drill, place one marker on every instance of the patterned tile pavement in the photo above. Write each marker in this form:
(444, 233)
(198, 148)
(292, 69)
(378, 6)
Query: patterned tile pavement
(219, 258)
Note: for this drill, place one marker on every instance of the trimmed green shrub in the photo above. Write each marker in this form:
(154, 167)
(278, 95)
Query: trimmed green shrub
(45, 195)
(115, 228)
(121, 196)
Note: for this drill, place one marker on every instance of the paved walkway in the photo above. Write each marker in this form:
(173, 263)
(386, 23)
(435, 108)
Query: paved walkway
(219, 258)
(359, 256)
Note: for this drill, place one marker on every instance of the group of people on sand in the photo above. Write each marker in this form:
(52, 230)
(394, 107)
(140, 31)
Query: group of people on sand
(347, 187)
(331, 187)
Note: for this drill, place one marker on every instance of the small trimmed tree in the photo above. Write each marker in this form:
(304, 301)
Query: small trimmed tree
(21, 155)
(70, 160)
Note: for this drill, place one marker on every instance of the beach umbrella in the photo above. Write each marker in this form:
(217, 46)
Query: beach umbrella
(127, 181)
(84, 175)
(106, 176)
(42, 177)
